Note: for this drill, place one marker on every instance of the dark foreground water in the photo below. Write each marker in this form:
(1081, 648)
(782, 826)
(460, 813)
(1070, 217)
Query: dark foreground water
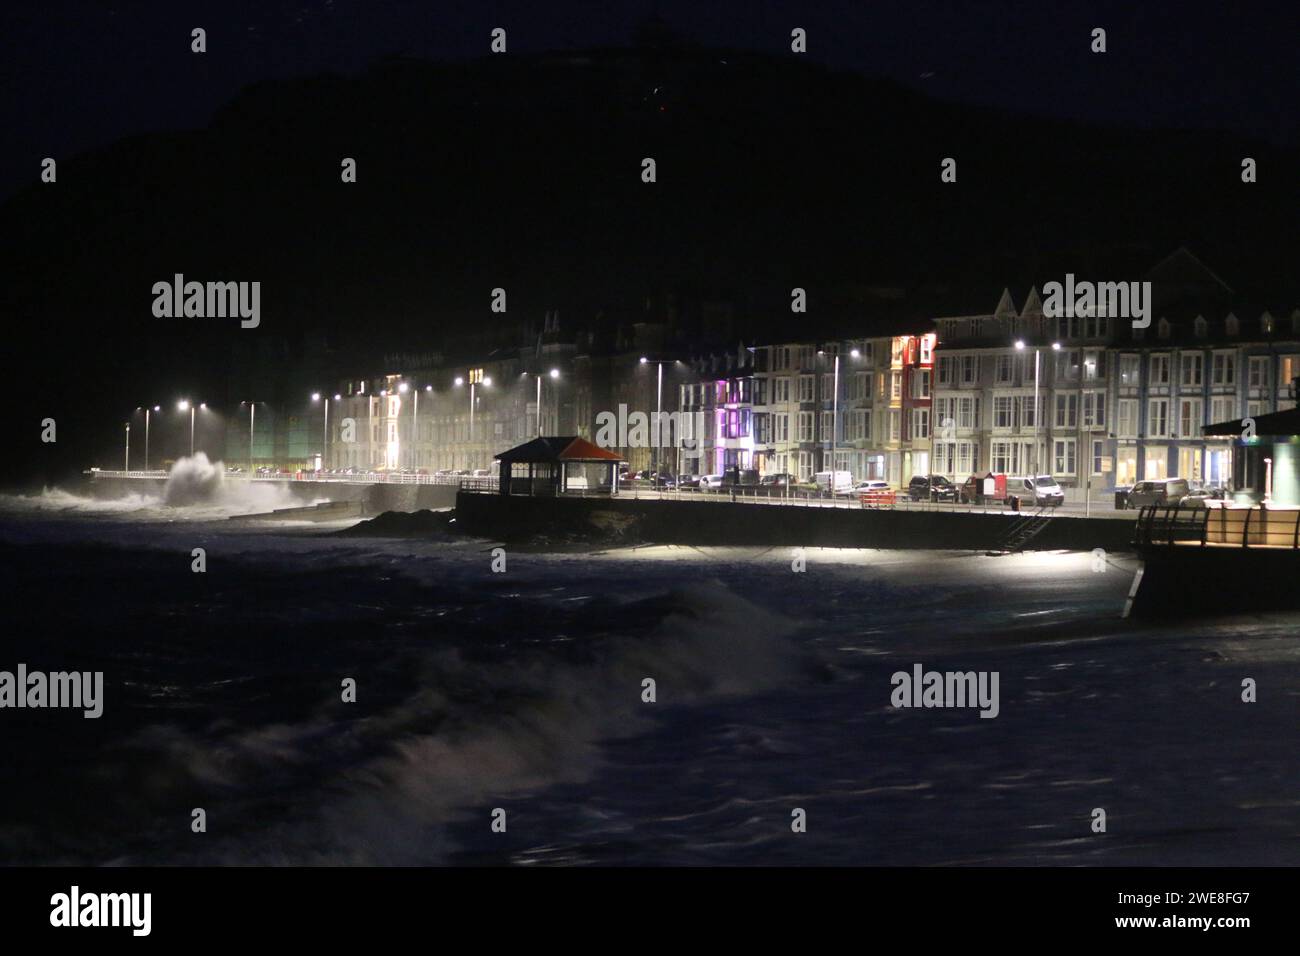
(522, 691)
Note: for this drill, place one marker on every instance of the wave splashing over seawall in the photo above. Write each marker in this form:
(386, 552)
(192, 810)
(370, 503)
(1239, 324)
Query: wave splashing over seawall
(194, 480)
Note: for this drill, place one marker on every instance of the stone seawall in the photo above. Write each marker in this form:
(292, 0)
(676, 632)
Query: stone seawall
(374, 499)
(518, 518)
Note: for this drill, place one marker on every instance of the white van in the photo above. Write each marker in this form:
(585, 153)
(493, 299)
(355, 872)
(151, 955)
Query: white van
(1041, 490)
(836, 482)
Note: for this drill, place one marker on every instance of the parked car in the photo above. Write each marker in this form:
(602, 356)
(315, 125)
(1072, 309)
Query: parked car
(1159, 491)
(688, 481)
(710, 482)
(1042, 490)
(931, 488)
(776, 480)
(862, 487)
(1206, 498)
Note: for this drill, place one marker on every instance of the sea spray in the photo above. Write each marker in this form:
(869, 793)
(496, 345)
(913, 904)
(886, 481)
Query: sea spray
(194, 480)
(483, 725)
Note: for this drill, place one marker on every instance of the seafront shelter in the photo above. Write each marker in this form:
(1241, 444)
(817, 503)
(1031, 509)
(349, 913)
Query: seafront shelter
(1266, 465)
(550, 466)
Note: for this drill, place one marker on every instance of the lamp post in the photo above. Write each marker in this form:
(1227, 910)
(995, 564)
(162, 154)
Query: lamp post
(184, 405)
(415, 421)
(252, 420)
(429, 389)
(555, 374)
(1020, 346)
(656, 432)
(127, 465)
(476, 377)
(391, 460)
(835, 419)
(146, 433)
(835, 415)
(325, 435)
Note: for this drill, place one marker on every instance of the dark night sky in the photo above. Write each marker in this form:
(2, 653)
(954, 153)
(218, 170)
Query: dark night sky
(853, 160)
(80, 74)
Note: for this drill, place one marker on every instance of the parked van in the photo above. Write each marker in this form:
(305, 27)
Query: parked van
(835, 482)
(1160, 491)
(1042, 490)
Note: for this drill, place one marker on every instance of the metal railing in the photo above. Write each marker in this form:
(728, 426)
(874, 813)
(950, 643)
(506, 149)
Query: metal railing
(359, 478)
(1258, 526)
(750, 494)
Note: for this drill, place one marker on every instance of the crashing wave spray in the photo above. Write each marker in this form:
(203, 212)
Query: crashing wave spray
(194, 480)
(200, 485)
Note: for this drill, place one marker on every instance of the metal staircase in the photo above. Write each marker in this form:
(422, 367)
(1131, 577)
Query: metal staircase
(1022, 531)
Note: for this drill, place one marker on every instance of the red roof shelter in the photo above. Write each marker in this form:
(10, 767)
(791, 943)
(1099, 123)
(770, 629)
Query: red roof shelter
(558, 466)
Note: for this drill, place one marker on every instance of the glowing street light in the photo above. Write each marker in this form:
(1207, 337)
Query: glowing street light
(555, 374)
(325, 437)
(476, 377)
(185, 405)
(1020, 347)
(252, 418)
(147, 411)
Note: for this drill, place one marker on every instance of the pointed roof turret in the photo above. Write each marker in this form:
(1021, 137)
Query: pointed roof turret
(1033, 305)
(1006, 307)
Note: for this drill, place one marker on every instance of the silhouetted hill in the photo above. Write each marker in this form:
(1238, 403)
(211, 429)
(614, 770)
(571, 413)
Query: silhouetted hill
(524, 173)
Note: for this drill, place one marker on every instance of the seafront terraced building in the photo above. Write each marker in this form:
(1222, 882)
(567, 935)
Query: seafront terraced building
(1115, 404)
(952, 395)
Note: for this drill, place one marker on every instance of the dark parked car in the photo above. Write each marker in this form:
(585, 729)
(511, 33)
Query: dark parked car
(1161, 491)
(1206, 498)
(776, 480)
(931, 488)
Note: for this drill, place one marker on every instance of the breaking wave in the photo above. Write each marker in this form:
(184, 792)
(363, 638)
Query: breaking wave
(196, 489)
(194, 480)
(472, 736)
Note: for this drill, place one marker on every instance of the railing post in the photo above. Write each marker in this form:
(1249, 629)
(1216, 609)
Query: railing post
(1245, 529)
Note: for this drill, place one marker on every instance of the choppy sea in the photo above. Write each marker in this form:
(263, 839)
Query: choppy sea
(523, 691)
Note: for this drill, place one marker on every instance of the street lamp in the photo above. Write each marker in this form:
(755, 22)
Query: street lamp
(127, 465)
(147, 410)
(835, 410)
(555, 374)
(325, 436)
(252, 418)
(656, 432)
(1020, 347)
(186, 405)
(476, 377)
(835, 418)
